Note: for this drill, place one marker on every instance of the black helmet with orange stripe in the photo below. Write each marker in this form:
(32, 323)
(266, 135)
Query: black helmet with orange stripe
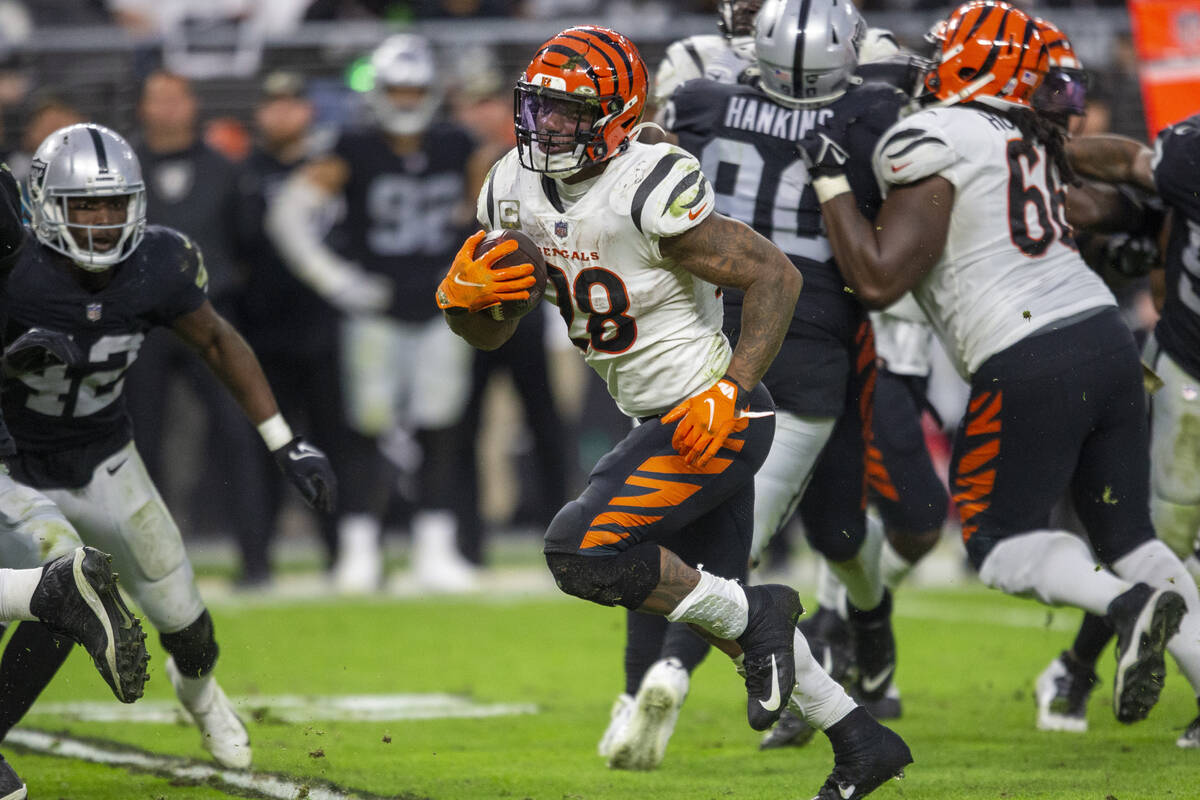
(992, 53)
(579, 100)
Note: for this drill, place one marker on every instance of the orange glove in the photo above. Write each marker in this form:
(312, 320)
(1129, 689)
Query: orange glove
(707, 419)
(472, 285)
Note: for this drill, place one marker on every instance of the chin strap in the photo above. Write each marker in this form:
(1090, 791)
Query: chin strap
(633, 134)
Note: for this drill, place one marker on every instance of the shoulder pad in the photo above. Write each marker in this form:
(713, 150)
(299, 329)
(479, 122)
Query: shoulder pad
(912, 149)
(669, 194)
(1176, 163)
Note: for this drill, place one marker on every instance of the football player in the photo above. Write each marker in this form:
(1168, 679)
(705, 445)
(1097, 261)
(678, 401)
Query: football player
(636, 257)
(722, 58)
(823, 378)
(90, 268)
(973, 223)
(1170, 171)
(51, 584)
(407, 181)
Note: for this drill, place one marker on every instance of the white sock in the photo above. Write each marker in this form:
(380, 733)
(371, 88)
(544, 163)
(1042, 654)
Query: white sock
(818, 699)
(829, 588)
(1155, 564)
(196, 694)
(16, 592)
(718, 605)
(358, 531)
(893, 567)
(860, 574)
(1054, 567)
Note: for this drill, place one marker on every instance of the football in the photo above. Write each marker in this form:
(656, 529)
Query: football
(526, 253)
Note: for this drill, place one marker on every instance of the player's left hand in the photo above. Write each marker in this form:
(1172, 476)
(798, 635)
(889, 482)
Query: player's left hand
(823, 153)
(309, 471)
(39, 348)
(707, 419)
(472, 284)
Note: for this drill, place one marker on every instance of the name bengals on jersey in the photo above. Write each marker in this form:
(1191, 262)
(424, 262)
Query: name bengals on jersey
(651, 329)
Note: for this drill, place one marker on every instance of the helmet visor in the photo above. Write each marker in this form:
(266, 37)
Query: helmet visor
(553, 128)
(1063, 92)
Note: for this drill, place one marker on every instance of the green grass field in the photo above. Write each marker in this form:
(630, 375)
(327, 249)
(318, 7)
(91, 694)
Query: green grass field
(968, 658)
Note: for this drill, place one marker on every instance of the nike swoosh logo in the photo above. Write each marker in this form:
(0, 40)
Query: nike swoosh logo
(712, 408)
(873, 683)
(902, 166)
(772, 703)
(113, 470)
(846, 791)
(458, 279)
(697, 212)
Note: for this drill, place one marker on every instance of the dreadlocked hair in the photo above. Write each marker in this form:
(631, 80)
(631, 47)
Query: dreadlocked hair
(1033, 125)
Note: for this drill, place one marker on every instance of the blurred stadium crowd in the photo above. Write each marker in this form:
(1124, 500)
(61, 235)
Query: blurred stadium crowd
(222, 100)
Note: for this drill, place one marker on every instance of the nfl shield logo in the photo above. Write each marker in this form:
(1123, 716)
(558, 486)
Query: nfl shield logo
(560, 229)
(93, 311)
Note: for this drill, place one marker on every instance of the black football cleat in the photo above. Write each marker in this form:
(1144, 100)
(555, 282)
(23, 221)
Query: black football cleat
(769, 663)
(11, 785)
(1145, 620)
(830, 641)
(874, 650)
(77, 597)
(789, 731)
(866, 755)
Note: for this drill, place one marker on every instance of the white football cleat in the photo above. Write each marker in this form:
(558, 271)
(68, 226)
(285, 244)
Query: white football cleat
(437, 563)
(1062, 695)
(359, 565)
(622, 710)
(642, 743)
(222, 732)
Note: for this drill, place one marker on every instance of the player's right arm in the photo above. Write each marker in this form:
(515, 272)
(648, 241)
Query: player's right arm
(1113, 159)
(291, 225)
(727, 252)
(472, 286)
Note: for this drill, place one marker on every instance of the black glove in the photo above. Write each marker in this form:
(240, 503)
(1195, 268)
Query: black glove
(39, 348)
(824, 155)
(309, 471)
(1130, 256)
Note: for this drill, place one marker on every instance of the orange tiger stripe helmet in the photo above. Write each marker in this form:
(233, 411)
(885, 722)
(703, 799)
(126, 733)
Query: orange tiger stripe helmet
(579, 100)
(1064, 91)
(991, 53)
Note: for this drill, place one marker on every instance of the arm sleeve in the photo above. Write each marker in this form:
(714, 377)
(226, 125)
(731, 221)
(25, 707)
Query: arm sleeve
(674, 196)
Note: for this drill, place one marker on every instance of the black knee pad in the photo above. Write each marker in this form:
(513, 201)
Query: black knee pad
(194, 648)
(625, 579)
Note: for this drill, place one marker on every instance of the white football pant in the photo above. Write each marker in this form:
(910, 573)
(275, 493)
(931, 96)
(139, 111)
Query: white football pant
(121, 512)
(415, 374)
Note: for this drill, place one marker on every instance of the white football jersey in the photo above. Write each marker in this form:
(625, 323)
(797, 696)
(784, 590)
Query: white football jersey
(1010, 266)
(704, 56)
(903, 337)
(651, 329)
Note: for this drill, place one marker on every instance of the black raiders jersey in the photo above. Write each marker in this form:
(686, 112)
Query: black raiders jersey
(400, 215)
(746, 144)
(66, 421)
(1177, 176)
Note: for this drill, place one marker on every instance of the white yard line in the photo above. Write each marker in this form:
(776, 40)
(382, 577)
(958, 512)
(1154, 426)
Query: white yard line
(230, 781)
(298, 709)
